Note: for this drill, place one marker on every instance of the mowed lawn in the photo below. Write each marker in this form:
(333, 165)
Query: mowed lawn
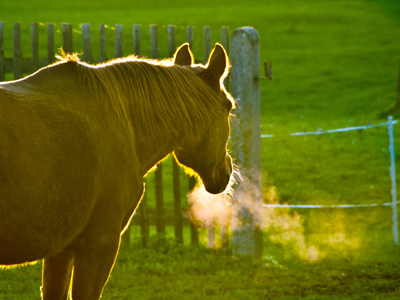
(335, 64)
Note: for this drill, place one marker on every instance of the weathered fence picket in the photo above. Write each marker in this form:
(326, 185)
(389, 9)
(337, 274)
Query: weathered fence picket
(144, 222)
(35, 46)
(154, 41)
(50, 43)
(18, 62)
(194, 233)
(207, 43)
(189, 36)
(145, 216)
(119, 41)
(2, 63)
(171, 40)
(178, 224)
(158, 184)
(143, 213)
(158, 177)
(87, 43)
(136, 39)
(67, 38)
(207, 52)
(103, 53)
(225, 38)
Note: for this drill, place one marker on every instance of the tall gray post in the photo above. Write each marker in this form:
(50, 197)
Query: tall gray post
(246, 142)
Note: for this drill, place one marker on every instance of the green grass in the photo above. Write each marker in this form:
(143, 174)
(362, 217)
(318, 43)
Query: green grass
(335, 64)
(178, 272)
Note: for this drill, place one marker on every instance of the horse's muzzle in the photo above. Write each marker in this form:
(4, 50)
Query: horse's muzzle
(221, 176)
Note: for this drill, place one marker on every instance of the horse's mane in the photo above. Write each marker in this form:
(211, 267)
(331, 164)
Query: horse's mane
(161, 99)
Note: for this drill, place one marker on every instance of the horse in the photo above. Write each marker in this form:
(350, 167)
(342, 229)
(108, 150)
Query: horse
(77, 140)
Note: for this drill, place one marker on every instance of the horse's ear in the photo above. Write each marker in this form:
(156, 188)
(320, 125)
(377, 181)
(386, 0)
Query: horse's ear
(183, 56)
(218, 63)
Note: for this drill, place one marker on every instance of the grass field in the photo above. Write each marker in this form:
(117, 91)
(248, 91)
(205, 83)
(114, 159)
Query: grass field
(335, 64)
(194, 274)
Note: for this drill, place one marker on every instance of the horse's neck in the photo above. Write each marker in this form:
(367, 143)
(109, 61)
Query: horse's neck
(151, 152)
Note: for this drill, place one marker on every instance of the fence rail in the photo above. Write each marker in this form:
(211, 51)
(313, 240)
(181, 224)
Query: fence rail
(327, 206)
(320, 131)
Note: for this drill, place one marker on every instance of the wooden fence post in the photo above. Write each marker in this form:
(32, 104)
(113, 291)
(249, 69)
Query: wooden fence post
(154, 41)
(119, 41)
(103, 53)
(207, 43)
(87, 43)
(50, 43)
(2, 64)
(35, 46)
(246, 142)
(178, 222)
(119, 52)
(194, 233)
(136, 39)
(144, 219)
(67, 37)
(207, 52)
(225, 37)
(18, 62)
(171, 40)
(189, 36)
(158, 178)
(143, 211)
(160, 218)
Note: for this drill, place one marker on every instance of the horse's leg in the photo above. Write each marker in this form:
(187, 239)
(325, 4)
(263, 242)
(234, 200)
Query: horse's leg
(57, 276)
(92, 268)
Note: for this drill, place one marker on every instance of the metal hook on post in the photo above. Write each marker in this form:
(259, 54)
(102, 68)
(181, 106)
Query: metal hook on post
(267, 71)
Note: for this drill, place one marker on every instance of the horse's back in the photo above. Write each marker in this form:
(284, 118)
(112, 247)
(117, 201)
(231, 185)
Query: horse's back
(52, 152)
(44, 154)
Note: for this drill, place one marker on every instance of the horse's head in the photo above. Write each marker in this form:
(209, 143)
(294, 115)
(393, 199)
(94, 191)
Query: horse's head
(206, 153)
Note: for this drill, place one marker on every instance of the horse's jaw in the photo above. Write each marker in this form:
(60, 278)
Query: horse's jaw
(151, 153)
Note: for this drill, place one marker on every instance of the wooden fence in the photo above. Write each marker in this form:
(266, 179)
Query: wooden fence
(19, 65)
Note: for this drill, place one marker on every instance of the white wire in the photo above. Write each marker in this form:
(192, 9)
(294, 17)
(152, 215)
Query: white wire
(328, 206)
(333, 130)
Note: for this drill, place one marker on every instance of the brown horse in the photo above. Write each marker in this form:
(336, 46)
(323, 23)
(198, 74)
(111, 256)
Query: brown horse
(76, 141)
